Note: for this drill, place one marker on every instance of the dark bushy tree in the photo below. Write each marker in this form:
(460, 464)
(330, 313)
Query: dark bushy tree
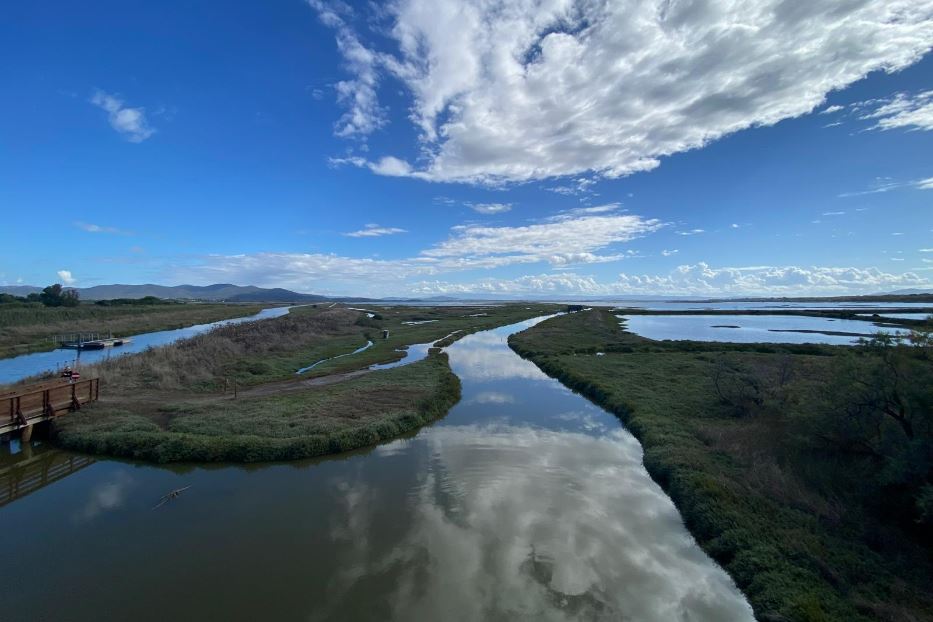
(880, 407)
(56, 296)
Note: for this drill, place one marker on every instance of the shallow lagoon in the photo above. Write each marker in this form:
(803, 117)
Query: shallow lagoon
(751, 328)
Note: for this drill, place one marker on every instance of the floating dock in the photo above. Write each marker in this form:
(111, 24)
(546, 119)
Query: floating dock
(89, 341)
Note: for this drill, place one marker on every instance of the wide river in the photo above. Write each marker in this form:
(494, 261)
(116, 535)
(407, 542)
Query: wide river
(525, 503)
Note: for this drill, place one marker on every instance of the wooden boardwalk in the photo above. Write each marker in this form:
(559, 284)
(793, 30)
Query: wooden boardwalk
(30, 404)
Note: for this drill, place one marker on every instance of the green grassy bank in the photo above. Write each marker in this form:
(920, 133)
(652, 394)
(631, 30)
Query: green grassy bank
(780, 464)
(356, 413)
(176, 403)
(29, 327)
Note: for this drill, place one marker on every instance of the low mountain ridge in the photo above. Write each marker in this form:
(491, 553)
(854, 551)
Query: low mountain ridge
(217, 292)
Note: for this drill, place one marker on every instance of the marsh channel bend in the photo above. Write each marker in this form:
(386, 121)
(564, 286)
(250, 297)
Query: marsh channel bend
(526, 502)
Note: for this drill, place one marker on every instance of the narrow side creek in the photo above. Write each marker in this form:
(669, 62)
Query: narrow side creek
(368, 345)
(526, 502)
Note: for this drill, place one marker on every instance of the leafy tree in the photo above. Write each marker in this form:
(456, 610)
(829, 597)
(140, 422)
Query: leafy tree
(879, 407)
(56, 296)
(70, 298)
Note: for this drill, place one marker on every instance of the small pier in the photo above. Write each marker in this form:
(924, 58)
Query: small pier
(25, 406)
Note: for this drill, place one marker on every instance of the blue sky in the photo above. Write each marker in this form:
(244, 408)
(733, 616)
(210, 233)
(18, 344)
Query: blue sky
(524, 148)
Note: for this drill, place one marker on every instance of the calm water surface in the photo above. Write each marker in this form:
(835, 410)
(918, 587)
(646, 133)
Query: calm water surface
(751, 328)
(668, 305)
(525, 503)
(23, 366)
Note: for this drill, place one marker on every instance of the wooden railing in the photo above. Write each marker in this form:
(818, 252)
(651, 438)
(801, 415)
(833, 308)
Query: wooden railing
(31, 404)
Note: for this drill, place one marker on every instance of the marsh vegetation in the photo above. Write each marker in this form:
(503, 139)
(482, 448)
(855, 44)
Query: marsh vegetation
(804, 469)
(232, 394)
(29, 327)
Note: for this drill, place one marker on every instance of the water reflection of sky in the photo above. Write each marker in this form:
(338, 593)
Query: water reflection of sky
(413, 353)
(534, 504)
(750, 328)
(526, 502)
(528, 523)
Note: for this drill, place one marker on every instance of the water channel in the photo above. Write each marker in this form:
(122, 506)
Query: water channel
(525, 503)
(19, 367)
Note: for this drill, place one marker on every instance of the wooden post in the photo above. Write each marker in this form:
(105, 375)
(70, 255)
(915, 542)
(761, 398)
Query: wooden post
(234, 388)
(47, 409)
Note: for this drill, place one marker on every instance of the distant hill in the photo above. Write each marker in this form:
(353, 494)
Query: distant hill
(911, 292)
(217, 292)
(19, 290)
(276, 294)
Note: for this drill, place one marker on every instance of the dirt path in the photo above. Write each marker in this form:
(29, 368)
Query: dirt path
(290, 386)
(158, 398)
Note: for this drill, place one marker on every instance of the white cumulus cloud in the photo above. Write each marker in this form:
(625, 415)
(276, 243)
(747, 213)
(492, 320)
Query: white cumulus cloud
(571, 238)
(576, 237)
(703, 279)
(424, 276)
(517, 90)
(131, 122)
(65, 277)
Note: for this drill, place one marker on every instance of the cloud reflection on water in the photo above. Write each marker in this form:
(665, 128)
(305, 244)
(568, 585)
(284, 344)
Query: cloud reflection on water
(511, 522)
(106, 496)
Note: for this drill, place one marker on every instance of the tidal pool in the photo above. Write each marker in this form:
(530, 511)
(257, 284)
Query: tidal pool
(752, 328)
(525, 503)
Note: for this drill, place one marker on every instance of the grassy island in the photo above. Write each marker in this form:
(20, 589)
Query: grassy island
(803, 469)
(233, 394)
(359, 412)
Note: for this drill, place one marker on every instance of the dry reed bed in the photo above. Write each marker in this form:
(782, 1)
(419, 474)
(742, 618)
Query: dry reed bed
(203, 361)
(29, 328)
